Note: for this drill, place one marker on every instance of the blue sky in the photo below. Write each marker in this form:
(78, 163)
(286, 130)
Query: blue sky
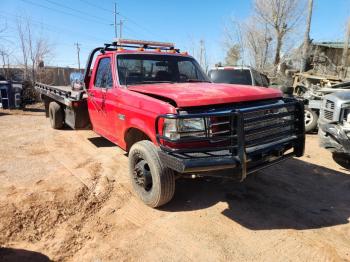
(183, 22)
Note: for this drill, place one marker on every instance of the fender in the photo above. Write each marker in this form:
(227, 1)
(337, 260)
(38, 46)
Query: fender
(141, 125)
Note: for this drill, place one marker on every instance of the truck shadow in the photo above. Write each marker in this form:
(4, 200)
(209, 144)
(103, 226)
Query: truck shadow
(14, 255)
(3, 114)
(40, 110)
(294, 195)
(101, 142)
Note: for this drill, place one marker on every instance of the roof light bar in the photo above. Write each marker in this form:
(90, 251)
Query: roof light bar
(143, 43)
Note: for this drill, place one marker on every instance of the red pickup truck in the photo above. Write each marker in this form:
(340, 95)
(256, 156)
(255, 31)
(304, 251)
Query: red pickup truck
(157, 104)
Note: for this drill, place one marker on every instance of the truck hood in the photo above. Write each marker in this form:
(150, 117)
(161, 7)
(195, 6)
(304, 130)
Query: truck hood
(202, 94)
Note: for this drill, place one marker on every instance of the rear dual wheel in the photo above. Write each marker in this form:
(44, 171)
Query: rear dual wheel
(152, 181)
(56, 115)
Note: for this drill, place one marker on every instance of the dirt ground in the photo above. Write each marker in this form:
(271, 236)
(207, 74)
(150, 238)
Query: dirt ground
(65, 196)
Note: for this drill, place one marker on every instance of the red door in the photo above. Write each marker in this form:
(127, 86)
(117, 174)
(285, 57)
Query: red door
(102, 84)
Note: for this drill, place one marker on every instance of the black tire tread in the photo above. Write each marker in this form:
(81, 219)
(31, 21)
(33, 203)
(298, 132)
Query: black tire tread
(342, 159)
(57, 115)
(167, 179)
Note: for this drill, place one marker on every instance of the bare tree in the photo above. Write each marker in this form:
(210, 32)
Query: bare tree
(34, 48)
(233, 55)
(251, 40)
(4, 52)
(282, 16)
(306, 44)
(5, 60)
(258, 42)
(23, 46)
(233, 41)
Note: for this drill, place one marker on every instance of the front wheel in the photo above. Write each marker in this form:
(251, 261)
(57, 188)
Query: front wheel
(153, 182)
(342, 159)
(311, 118)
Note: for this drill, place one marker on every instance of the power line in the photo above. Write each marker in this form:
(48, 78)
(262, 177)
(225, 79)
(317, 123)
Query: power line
(126, 18)
(96, 6)
(150, 32)
(55, 28)
(63, 12)
(75, 10)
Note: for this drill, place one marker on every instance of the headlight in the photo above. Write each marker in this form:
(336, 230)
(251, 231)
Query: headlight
(347, 115)
(346, 112)
(185, 127)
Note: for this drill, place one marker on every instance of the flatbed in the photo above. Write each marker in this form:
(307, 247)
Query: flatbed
(75, 101)
(63, 94)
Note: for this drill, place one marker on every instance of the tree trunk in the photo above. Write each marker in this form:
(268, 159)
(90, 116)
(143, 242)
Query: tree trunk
(278, 50)
(306, 44)
(345, 52)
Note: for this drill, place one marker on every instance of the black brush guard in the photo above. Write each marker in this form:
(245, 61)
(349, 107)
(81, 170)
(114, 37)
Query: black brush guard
(238, 155)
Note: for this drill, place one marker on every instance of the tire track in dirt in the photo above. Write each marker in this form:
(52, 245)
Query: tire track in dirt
(42, 219)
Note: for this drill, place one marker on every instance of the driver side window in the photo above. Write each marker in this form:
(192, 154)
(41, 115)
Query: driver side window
(104, 77)
(187, 70)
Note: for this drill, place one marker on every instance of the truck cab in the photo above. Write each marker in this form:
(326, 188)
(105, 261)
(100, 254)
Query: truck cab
(157, 104)
(334, 126)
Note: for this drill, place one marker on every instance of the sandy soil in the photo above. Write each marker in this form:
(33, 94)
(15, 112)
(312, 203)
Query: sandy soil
(65, 196)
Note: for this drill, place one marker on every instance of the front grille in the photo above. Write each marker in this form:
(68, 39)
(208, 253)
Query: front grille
(328, 114)
(260, 126)
(327, 110)
(254, 129)
(268, 125)
(219, 126)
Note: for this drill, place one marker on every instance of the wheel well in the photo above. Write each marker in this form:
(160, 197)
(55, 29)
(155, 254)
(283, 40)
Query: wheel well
(134, 135)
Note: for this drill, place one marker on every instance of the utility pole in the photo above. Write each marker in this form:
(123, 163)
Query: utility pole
(78, 53)
(115, 20)
(121, 23)
(306, 44)
(345, 51)
(201, 53)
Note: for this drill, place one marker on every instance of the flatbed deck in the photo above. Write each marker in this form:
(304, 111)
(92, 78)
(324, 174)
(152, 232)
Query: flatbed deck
(63, 94)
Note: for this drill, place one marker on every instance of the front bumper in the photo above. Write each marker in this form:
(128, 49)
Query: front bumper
(239, 157)
(333, 137)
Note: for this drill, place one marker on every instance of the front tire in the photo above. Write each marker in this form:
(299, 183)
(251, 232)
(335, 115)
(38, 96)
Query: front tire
(152, 181)
(311, 118)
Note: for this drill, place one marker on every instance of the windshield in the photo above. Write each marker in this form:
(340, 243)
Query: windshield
(235, 76)
(136, 69)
